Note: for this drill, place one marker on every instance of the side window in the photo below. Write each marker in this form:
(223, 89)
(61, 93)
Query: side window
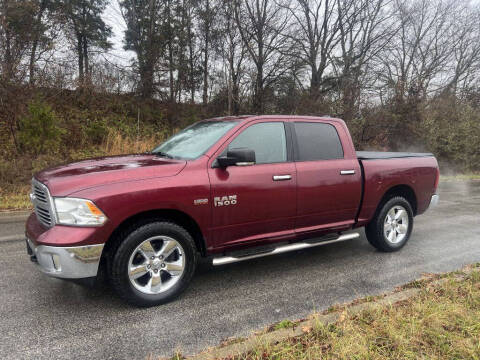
(317, 141)
(268, 140)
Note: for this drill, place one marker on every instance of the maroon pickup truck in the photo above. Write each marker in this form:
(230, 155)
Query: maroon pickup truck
(230, 189)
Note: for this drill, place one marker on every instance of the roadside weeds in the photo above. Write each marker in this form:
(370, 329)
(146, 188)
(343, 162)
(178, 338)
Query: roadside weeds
(14, 198)
(437, 316)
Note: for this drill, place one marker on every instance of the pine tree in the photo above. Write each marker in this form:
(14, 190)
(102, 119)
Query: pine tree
(83, 18)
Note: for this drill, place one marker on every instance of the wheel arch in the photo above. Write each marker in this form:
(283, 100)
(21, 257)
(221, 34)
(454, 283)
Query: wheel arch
(178, 217)
(402, 190)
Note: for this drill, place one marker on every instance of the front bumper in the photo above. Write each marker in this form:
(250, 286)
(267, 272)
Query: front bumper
(66, 262)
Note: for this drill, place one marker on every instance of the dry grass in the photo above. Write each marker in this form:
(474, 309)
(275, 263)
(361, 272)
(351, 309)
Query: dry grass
(15, 197)
(116, 144)
(442, 322)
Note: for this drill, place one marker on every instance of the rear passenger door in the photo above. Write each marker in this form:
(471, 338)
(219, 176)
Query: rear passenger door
(328, 177)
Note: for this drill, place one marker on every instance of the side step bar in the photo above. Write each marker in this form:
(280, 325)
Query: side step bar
(281, 249)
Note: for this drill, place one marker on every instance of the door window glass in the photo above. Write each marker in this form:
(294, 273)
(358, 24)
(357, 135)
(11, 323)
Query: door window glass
(317, 141)
(268, 140)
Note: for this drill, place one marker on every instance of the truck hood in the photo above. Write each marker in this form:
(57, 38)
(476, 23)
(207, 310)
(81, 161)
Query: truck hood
(67, 179)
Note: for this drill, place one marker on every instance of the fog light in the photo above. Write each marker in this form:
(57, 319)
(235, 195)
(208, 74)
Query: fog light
(56, 262)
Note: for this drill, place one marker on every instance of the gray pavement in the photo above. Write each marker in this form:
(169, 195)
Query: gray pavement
(44, 318)
(12, 225)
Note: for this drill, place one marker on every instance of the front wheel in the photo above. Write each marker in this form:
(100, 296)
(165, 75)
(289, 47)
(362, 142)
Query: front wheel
(391, 226)
(154, 263)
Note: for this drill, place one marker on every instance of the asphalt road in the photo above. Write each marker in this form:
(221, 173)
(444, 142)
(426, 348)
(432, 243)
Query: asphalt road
(43, 318)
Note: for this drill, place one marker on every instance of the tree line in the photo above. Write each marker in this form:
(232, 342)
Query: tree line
(370, 62)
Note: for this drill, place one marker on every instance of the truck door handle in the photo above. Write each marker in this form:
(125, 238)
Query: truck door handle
(347, 172)
(281, 177)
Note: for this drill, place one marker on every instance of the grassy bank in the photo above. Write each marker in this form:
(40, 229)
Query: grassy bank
(14, 196)
(49, 128)
(441, 322)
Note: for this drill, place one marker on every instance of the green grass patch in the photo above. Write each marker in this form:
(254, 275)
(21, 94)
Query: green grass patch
(460, 177)
(284, 324)
(441, 322)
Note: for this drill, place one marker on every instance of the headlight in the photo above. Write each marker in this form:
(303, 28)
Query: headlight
(78, 212)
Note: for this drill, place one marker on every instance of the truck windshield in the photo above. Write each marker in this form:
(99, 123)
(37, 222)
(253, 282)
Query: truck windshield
(195, 140)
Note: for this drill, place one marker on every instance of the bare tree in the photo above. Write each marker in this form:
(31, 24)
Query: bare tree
(261, 24)
(207, 10)
(39, 28)
(464, 34)
(188, 30)
(364, 30)
(316, 29)
(420, 50)
(233, 52)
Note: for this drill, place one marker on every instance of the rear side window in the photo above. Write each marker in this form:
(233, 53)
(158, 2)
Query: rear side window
(317, 141)
(268, 140)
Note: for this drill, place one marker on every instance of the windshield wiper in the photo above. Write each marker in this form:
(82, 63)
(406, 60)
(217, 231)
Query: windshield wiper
(163, 154)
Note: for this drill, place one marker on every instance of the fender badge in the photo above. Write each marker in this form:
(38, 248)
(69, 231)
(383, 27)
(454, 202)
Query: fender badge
(225, 200)
(200, 201)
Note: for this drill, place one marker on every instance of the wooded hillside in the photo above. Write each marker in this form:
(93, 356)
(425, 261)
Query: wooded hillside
(404, 75)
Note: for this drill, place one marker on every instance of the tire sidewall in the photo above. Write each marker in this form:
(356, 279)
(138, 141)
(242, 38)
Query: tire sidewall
(125, 250)
(381, 220)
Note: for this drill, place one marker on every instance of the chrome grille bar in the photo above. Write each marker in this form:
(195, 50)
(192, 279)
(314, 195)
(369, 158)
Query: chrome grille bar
(42, 203)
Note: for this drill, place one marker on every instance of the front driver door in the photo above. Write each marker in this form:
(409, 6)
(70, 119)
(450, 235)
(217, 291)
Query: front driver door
(255, 202)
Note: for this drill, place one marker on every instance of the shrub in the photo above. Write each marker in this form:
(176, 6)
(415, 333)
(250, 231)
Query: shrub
(452, 132)
(39, 132)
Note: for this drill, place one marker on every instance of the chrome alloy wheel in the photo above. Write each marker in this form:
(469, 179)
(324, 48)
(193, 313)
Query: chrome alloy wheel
(156, 265)
(395, 226)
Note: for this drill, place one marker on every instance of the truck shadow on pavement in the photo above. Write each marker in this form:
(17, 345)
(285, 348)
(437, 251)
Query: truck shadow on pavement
(250, 276)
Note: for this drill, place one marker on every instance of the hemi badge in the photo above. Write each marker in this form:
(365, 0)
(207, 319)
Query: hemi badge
(200, 201)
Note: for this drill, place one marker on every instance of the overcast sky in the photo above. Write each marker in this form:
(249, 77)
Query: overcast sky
(113, 17)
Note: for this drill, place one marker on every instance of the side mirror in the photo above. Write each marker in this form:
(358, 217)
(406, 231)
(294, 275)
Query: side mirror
(237, 157)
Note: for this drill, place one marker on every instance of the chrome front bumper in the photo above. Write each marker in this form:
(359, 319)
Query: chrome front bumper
(66, 262)
(433, 201)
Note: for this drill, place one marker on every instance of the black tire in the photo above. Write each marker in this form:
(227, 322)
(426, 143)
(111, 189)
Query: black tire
(128, 242)
(375, 229)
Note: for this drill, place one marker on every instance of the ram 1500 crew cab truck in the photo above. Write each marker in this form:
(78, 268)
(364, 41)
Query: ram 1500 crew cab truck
(232, 189)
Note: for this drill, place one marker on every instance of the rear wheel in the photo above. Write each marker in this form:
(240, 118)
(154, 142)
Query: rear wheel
(154, 263)
(391, 226)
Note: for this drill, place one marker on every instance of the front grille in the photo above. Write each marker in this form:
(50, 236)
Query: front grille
(42, 203)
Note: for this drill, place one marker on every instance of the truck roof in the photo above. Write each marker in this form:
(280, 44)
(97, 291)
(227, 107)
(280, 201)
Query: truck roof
(255, 117)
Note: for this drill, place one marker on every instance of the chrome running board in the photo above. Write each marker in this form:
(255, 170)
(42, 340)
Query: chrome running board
(281, 249)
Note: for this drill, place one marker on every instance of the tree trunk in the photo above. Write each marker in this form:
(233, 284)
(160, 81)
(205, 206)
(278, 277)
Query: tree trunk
(8, 58)
(33, 54)
(258, 100)
(205, 77)
(80, 58)
(235, 96)
(170, 69)
(146, 77)
(31, 66)
(314, 83)
(85, 59)
(205, 55)
(192, 76)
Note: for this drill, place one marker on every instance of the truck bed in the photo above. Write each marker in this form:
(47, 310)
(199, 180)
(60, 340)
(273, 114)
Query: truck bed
(375, 155)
